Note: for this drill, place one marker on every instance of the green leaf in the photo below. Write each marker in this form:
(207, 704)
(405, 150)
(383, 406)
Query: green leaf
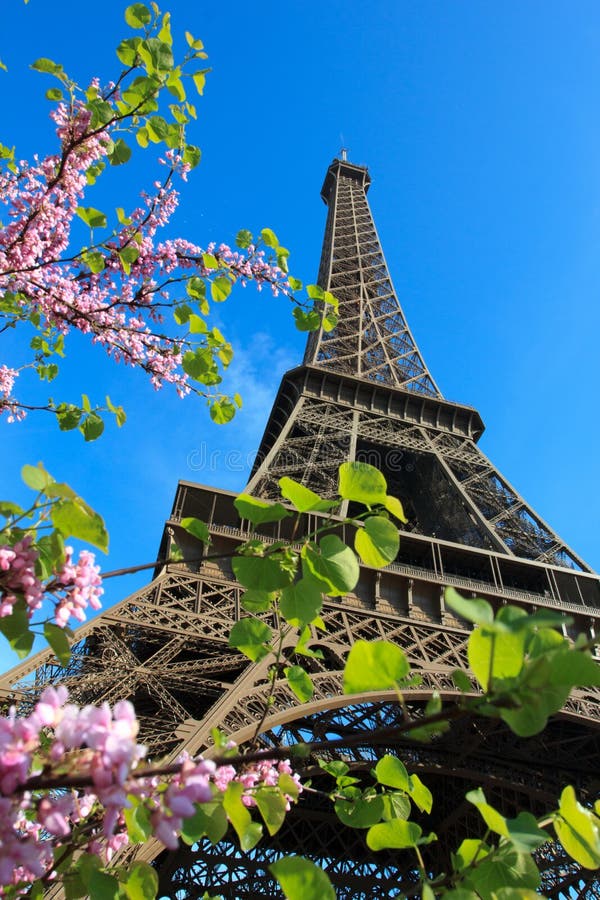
(92, 217)
(101, 114)
(209, 261)
(59, 642)
(222, 411)
(127, 51)
(120, 153)
(158, 129)
(378, 542)
(396, 834)
(269, 238)
(272, 807)
(478, 611)
(464, 894)
(68, 415)
(257, 601)
(301, 879)
(362, 483)
(295, 283)
(299, 682)
(244, 238)
(137, 820)
(200, 365)
(8, 509)
(306, 321)
(137, 15)
(103, 887)
(75, 519)
(15, 629)
(261, 573)
(332, 563)
(95, 262)
(36, 477)
(335, 767)
(257, 511)
(503, 893)
(43, 64)
(374, 666)
(315, 292)
(462, 681)
(577, 828)
(302, 498)
(128, 255)
(361, 811)
(503, 869)
(420, 794)
(525, 834)
(392, 772)
(288, 786)
(573, 668)
(494, 820)
(495, 654)
(209, 819)
(250, 636)
(142, 882)
(220, 289)
(302, 648)
(192, 155)
(165, 31)
(470, 849)
(199, 79)
(117, 411)
(182, 313)
(77, 880)
(192, 42)
(301, 602)
(197, 528)
(54, 94)
(396, 805)
(92, 426)
(393, 505)
(195, 288)
(141, 136)
(249, 833)
(329, 321)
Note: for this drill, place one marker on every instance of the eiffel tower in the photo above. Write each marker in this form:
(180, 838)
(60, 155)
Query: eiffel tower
(362, 392)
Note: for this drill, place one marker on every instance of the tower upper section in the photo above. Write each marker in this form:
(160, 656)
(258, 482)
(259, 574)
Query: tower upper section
(372, 339)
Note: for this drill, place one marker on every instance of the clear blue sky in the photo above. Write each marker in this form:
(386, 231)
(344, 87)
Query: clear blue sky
(480, 123)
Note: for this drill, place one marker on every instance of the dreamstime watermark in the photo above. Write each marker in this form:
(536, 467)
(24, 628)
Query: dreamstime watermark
(204, 459)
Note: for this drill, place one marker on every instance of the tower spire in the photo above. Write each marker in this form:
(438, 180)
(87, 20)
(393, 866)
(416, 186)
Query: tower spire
(372, 339)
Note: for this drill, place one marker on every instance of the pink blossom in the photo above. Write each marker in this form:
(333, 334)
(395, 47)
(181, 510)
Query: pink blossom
(17, 576)
(84, 587)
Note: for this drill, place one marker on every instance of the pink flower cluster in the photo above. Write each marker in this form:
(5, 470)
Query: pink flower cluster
(18, 578)
(118, 299)
(84, 587)
(263, 773)
(77, 586)
(109, 752)
(96, 745)
(9, 403)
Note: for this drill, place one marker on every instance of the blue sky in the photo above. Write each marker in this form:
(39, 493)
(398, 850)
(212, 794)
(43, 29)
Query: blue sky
(480, 124)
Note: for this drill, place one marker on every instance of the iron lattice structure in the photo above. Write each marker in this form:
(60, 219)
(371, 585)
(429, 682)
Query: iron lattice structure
(363, 392)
